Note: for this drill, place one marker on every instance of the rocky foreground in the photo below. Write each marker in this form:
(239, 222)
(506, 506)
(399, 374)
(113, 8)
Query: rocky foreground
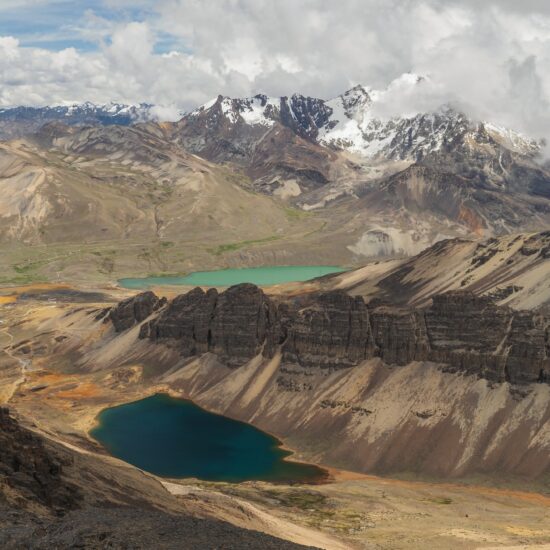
(49, 499)
(460, 331)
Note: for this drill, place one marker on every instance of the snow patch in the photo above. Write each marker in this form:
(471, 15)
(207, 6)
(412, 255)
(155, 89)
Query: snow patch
(253, 111)
(512, 140)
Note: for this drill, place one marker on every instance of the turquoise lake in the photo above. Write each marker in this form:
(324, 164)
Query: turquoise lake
(261, 276)
(174, 438)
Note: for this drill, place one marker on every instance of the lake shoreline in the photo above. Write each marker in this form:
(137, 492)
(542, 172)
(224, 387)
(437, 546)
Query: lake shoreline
(334, 475)
(261, 276)
(271, 459)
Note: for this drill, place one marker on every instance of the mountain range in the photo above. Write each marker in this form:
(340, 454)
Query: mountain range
(425, 358)
(305, 177)
(19, 121)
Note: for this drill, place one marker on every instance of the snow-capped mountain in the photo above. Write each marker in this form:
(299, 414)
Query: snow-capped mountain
(409, 178)
(304, 115)
(401, 179)
(18, 121)
(353, 126)
(349, 122)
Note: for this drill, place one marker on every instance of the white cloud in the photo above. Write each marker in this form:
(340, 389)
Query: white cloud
(9, 48)
(492, 58)
(8, 5)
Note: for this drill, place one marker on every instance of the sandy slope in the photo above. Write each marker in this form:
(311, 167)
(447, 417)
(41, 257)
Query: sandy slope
(514, 268)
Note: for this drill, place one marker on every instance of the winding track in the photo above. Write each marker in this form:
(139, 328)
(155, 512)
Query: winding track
(23, 363)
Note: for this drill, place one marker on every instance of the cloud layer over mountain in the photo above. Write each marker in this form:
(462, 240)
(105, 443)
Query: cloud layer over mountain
(493, 60)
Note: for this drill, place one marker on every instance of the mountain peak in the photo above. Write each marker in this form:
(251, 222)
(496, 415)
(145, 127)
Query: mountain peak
(350, 121)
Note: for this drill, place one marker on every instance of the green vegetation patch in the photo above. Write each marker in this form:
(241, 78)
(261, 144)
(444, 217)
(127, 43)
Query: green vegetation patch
(305, 500)
(440, 500)
(26, 267)
(231, 247)
(297, 213)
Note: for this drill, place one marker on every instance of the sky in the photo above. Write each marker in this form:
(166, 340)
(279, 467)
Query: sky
(491, 58)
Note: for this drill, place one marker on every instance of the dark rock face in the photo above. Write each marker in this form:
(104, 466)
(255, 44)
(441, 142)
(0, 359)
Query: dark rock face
(401, 337)
(467, 332)
(186, 319)
(464, 332)
(463, 321)
(30, 469)
(333, 331)
(134, 310)
(305, 115)
(529, 355)
(236, 324)
(244, 319)
(136, 528)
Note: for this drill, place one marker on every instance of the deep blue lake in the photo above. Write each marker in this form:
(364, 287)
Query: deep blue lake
(174, 438)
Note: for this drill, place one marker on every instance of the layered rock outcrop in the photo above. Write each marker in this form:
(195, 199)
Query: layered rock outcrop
(236, 324)
(134, 310)
(333, 331)
(460, 330)
(469, 333)
(400, 336)
(528, 358)
(186, 319)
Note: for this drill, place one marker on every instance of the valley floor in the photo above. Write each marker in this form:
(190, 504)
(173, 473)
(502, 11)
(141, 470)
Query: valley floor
(49, 394)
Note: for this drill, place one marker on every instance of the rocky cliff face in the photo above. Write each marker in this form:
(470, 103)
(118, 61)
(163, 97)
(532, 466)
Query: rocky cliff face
(134, 310)
(460, 330)
(400, 336)
(529, 348)
(333, 331)
(236, 324)
(28, 468)
(469, 333)
(187, 320)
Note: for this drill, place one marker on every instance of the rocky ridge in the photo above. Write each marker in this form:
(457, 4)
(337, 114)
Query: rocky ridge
(135, 309)
(351, 122)
(462, 331)
(512, 270)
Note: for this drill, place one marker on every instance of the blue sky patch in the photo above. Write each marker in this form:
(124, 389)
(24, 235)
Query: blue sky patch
(60, 24)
